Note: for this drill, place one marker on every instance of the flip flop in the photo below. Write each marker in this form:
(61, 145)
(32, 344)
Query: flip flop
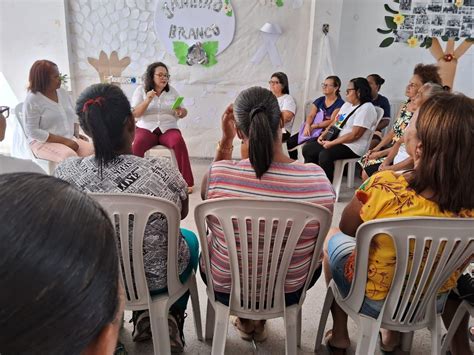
(331, 348)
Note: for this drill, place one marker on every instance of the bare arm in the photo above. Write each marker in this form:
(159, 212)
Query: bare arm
(53, 138)
(287, 116)
(383, 123)
(350, 219)
(184, 208)
(140, 109)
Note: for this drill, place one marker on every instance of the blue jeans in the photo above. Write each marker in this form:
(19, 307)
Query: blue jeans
(340, 247)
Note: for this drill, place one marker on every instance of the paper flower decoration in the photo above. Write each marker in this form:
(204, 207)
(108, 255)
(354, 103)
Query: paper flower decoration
(448, 57)
(412, 42)
(459, 3)
(398, 19)
(227, 8)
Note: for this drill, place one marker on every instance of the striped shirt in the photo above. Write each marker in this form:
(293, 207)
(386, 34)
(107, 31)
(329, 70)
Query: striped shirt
(295, 181)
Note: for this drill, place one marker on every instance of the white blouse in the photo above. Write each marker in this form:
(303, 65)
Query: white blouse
(159, 113)
(287, 103)
(43, 116)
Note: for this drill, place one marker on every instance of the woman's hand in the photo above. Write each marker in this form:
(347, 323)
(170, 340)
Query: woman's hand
(307, 130)
(150, 95)
(328, 144)
(228, 127)
(384, 166)
(321, 139)
(71, 144)
(374, 155)
(180, 112)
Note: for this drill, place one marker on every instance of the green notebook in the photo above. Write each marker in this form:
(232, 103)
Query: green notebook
(177, 103)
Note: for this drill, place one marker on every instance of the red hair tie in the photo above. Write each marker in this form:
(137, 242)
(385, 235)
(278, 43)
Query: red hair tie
(98, 100)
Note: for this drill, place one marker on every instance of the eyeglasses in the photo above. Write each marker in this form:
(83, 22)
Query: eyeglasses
(5, 109)
(347, 90)
(161, 75)
(323, 85)
(273, 82)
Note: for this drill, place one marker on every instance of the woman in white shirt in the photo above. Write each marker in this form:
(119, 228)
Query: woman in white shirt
(354, 136)
(280, 88)
(50, 122)
(157, 120)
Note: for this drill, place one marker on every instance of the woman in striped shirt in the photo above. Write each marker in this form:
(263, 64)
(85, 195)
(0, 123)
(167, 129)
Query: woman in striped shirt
(265, 172)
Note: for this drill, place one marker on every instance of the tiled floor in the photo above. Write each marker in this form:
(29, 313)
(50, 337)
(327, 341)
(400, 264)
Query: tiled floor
(275, 343)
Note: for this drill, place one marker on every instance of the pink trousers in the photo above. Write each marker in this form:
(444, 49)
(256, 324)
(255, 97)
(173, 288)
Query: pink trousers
(58, 152)
(172, 139)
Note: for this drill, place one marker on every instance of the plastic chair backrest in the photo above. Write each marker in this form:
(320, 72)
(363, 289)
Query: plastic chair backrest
(20, 146)
(439, 247)
(270, 239)
(120, 208)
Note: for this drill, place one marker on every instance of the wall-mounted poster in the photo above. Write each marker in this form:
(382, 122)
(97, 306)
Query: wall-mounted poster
(418, 21)
(195, 31)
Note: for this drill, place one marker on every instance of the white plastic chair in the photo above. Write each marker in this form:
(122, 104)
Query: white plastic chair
(411, 301)
(21, 147)
(158, 150)
(463, 309)
(121, 207)
(340, 164)
(276, 247)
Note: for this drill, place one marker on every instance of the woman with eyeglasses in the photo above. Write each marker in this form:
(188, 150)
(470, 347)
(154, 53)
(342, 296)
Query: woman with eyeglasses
(50, 123)
(279, 86)
(9, 164)
(372, 160)
(328, 104)
(157, 121)
(105, 114)
(356, 120)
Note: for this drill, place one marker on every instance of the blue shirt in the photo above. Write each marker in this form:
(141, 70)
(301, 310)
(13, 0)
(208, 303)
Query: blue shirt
(321, 105)
(382, 102)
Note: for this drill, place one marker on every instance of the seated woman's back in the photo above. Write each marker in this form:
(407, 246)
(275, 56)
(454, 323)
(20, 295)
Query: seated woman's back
(267, 174)
(105, 114)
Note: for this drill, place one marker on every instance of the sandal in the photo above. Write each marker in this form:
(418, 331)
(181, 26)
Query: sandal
(246, 333)
(331, 348)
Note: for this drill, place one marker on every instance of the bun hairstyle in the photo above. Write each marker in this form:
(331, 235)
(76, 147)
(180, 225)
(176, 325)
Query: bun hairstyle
(428, 73)
(363, 89)
(257, 115)
(103, 110)
(60, 280)
(336, 82)
(283, 79)
(378, 80)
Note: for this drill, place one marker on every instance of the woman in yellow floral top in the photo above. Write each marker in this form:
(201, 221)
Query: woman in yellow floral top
(441, 142)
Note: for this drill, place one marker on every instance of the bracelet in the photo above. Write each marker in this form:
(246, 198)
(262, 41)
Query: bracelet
(224, 150)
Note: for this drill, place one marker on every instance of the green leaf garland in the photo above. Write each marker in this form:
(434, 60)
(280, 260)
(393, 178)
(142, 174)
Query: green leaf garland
(181, 51)
(210, 48)
(387, 42)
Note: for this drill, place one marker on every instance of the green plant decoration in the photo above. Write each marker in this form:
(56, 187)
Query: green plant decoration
(210, 47)
(396, 19)
(279, 3)
(227, 8)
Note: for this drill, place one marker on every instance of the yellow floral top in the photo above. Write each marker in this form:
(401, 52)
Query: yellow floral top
(384, 195)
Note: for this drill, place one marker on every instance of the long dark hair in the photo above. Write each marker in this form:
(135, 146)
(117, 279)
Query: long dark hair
(148, 77)
(336, 82)
(103, 110)
(283, 79)
(59, 281)
(445, 127)
(257, 115)
(363, 89)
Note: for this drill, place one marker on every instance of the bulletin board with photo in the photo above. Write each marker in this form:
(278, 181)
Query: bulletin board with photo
(435, 18)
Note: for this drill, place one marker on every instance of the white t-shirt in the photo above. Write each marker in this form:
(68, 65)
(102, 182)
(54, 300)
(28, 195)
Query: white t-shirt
(366, 117)
(43, 116)
(401, 155)
(159, 113)
(14, 165)
(287, 103)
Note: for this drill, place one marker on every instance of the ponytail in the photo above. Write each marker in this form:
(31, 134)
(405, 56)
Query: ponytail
(260, 142)
(257, 114)
(103, 110)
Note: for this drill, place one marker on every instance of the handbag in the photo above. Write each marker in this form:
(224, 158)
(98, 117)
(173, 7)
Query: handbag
(334, 130)
(315, 132)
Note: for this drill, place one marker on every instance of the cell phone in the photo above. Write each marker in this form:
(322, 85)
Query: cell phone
(177, 103)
